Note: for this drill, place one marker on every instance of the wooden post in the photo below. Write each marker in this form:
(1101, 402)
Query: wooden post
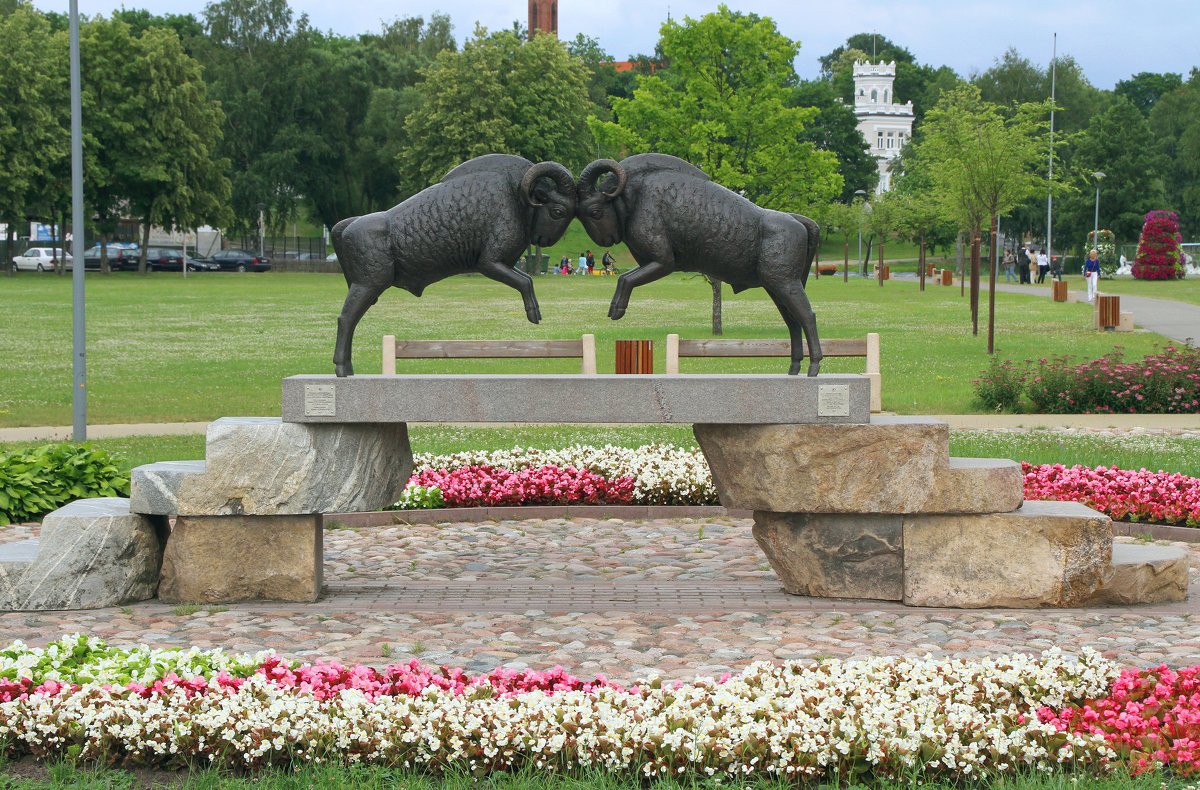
(635, 356)
(389, 355)
(672, 354)
(588, 352)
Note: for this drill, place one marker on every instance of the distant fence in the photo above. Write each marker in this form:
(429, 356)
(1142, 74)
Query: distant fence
(277, 247)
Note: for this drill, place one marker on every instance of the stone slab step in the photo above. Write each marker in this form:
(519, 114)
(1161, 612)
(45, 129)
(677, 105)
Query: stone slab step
(1043, 554)
(264, 466)
(1143, 574)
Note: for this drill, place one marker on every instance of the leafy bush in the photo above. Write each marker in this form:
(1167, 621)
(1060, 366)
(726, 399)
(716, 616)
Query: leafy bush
(999, 387)
(1163, 383)
(37, 481)
(1106, 249)
(417, 497)
(1159, 256)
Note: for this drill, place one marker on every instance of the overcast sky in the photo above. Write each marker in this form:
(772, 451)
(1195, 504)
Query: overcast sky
(1111, 39)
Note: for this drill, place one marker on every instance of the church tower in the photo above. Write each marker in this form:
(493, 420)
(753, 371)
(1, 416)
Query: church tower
(885, 124)
(543, 16)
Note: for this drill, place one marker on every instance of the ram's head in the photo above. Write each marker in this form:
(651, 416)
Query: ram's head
(596, 210)
(550, 189)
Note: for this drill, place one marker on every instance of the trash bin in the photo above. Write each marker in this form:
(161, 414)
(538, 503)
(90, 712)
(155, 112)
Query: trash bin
(635, 356)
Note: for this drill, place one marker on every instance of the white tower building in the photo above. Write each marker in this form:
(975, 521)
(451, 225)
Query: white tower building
(884, 124)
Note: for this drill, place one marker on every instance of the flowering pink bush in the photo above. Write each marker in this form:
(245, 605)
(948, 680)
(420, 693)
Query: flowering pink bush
(1164, 383)
(1119, 493)
(1158, 254)
(1150, 718)
(475, 486)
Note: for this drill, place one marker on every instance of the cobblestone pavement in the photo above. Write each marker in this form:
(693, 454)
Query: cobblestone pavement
(670, 597)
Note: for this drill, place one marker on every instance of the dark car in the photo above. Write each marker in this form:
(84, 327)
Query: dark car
(241, 261)
(119, 259)
(168, 260)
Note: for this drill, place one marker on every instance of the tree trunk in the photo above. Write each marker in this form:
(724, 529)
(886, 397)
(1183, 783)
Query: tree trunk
(975, 281)
(716, 310)
(921, 263)
(962, 269)
(992, 287)
(846, 263)
(880, 272)
(104, 267)
(145, 244)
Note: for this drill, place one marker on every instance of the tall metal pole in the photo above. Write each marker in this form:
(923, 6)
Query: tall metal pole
(861, 211)
(1096, 222)
(1050, 186)
(78, 341)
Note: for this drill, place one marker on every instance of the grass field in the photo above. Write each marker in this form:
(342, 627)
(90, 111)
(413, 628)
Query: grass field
(162, 348)
(328, 777)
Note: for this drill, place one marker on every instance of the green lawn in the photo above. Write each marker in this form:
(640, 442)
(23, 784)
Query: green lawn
(328, 777)
(162, 348)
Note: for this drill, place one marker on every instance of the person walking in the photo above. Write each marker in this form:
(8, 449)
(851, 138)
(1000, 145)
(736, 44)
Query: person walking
(1043, 264)
(582, 264)
(1056, 265)
(591, 262)
(1010, 267)
(1091, 273)
(1023, 265)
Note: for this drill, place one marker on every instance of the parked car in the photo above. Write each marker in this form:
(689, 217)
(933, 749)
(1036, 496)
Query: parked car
(168, 260)
(241, 261)
(119, 258)
(40, 259)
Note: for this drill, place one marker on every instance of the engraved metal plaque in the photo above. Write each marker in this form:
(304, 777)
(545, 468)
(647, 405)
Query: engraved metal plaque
(320, 400)
(833, 400)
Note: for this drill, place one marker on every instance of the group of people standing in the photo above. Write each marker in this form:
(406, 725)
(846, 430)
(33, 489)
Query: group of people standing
(1019, 266)
(587, 263)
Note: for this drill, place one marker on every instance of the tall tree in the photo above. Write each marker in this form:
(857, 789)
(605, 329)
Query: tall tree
(500, 94)
(1173, 122)
(1145, 88)
(180, 180)
(1013, 79)
(982, 165)
(722, 105)
(33, 120)
(1120, 143)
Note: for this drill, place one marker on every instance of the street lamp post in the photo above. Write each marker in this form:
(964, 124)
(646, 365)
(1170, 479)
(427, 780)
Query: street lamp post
(1096, 223)
(261, 206)
(860, 193)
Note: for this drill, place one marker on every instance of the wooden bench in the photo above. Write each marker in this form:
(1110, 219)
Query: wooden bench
(780, 347)
(583, 349)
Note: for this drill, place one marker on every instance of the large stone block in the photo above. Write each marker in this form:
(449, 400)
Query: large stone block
(264, 466)
(976, 485)
(835, 555)
(90, 554)
(886, 466)
(1044, 554)
(703, 398)
(1143, 574)
(239, 558)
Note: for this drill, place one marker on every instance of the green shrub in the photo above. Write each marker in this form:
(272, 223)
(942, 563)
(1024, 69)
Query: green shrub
(420, 498)
(36, 481)
(999, 387)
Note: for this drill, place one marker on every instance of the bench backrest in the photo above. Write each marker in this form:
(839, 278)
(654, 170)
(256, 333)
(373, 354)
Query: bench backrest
(583, 349)
(867, 347)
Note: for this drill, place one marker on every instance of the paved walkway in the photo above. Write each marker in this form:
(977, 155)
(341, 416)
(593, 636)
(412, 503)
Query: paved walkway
(630, 599)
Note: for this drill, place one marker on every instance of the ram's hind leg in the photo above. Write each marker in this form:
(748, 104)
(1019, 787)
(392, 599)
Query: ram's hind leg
(358, 300)
(801, 321)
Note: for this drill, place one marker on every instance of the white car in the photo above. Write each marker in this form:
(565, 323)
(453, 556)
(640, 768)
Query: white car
(40, 259)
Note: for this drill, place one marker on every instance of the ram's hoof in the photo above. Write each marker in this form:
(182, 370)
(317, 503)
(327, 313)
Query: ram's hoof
(814, 367)
(615, 312)
(344, 370)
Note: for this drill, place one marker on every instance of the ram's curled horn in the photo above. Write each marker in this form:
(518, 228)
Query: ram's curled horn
(591, 174)
(561, 175)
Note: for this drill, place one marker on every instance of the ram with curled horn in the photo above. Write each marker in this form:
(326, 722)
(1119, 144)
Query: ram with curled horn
(672, 217)
(479, 218)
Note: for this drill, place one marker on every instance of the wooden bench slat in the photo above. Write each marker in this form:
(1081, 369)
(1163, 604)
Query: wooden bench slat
(487, 349)
(767, 347)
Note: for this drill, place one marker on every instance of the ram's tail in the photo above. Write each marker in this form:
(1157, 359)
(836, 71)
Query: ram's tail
(814, 244)
(335, 236)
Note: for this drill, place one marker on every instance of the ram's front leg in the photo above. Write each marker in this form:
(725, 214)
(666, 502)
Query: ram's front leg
(503, 273)
(644, 273)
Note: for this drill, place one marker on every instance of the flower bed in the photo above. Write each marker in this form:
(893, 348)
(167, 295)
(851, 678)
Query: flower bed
(878, 717)
(667, 475)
